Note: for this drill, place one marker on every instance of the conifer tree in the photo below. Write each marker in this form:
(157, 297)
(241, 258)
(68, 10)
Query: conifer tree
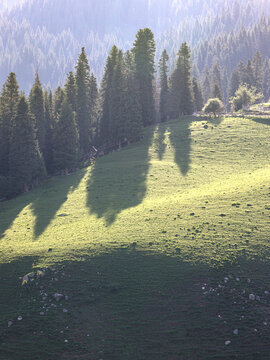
(82, 102)
(36, 101)
(164, 86)
(48, 114)
(8, 106)
(181, 93)
(93, 107)
(105, 121)
(144, 56)
(198, 98)
(257, 64)
(26, 165)
(58, 101)
(134, 118)
(235, 82)
(206, 85)
(70, 90)
(216, 93)
(216, 82)
(266, 83)
(66, 140)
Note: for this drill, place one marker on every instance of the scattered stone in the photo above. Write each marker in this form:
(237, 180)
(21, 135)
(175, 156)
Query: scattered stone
(41, 313)
(65, 311)
(228, 342)
(192, 214)
(19, 318)
(25, 280)
(252, 297)
(236, 332)
(66, 341)
(258, 298)
(267, 293)
(206, 127)
(58, 296)
(10, 323)
(40, 273)
(50, 250)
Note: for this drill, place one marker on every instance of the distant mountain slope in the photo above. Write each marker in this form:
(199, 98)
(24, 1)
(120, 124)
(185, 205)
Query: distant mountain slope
(47, 34)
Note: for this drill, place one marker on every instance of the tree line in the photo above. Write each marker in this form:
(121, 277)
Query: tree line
(54, 132)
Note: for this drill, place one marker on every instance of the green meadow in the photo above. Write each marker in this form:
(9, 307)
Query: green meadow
(156, 247)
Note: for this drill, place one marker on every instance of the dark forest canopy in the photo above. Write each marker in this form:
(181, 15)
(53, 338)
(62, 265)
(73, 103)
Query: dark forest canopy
(47, 35)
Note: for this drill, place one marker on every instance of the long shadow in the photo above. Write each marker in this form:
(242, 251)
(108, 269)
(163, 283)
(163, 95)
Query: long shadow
(118, 180)
(129, 304)
(180, 138)
(159, 140)
(51, 197)
(264, 121)
(9, 210)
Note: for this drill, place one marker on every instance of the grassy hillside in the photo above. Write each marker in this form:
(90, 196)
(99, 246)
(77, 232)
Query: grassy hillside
(157, 247)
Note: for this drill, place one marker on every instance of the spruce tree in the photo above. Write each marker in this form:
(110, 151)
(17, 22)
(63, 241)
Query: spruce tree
(70, 90)
(266, 83)
(235, 82)
(216, 82)
(49, 126)
(26, 165)
(257, 65)
(144, 56)
(82, 101)
(58, 101)
(93, 107)
(198, 98)
(65, 140)
(206, 85)
(36, 101)
(8, 106)
(164, 86)
(105, 119)
(134, 111)
(181, 93)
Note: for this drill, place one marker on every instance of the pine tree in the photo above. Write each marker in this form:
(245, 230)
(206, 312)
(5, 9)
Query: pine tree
(26, 165)
(36, 101)
(216, 82)
(235, 82)
(266, 84)
(49, 126)
(93, 107)
(70, 90)
(198, 98)
(58, 101)
(181, 93)
(164, 86)
(105, 119)
(65, 141)
(8, 105)
(216, 93)
(206, 85)
(83, 112)
(134, 119)
(144, 56)
(257, 65)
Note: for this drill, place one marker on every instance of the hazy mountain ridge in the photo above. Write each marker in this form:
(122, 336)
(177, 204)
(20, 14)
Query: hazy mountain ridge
(46, 35)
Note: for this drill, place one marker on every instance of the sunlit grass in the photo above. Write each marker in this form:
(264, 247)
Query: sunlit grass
(148, 193)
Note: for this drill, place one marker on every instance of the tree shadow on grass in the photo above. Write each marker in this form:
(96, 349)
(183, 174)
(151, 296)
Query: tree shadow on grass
(118, 180)
(9, 210)
(261, 120)
(138, 305)
(51, 197)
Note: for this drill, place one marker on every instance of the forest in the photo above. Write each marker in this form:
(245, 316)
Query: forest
(50, 132)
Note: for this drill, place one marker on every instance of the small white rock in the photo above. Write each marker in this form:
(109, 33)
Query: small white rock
(236, 332)
(66, 341)
(65, 310)
(19, 318)
(228, 342)
(10, 323)
(252, 297)
(41, 313)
